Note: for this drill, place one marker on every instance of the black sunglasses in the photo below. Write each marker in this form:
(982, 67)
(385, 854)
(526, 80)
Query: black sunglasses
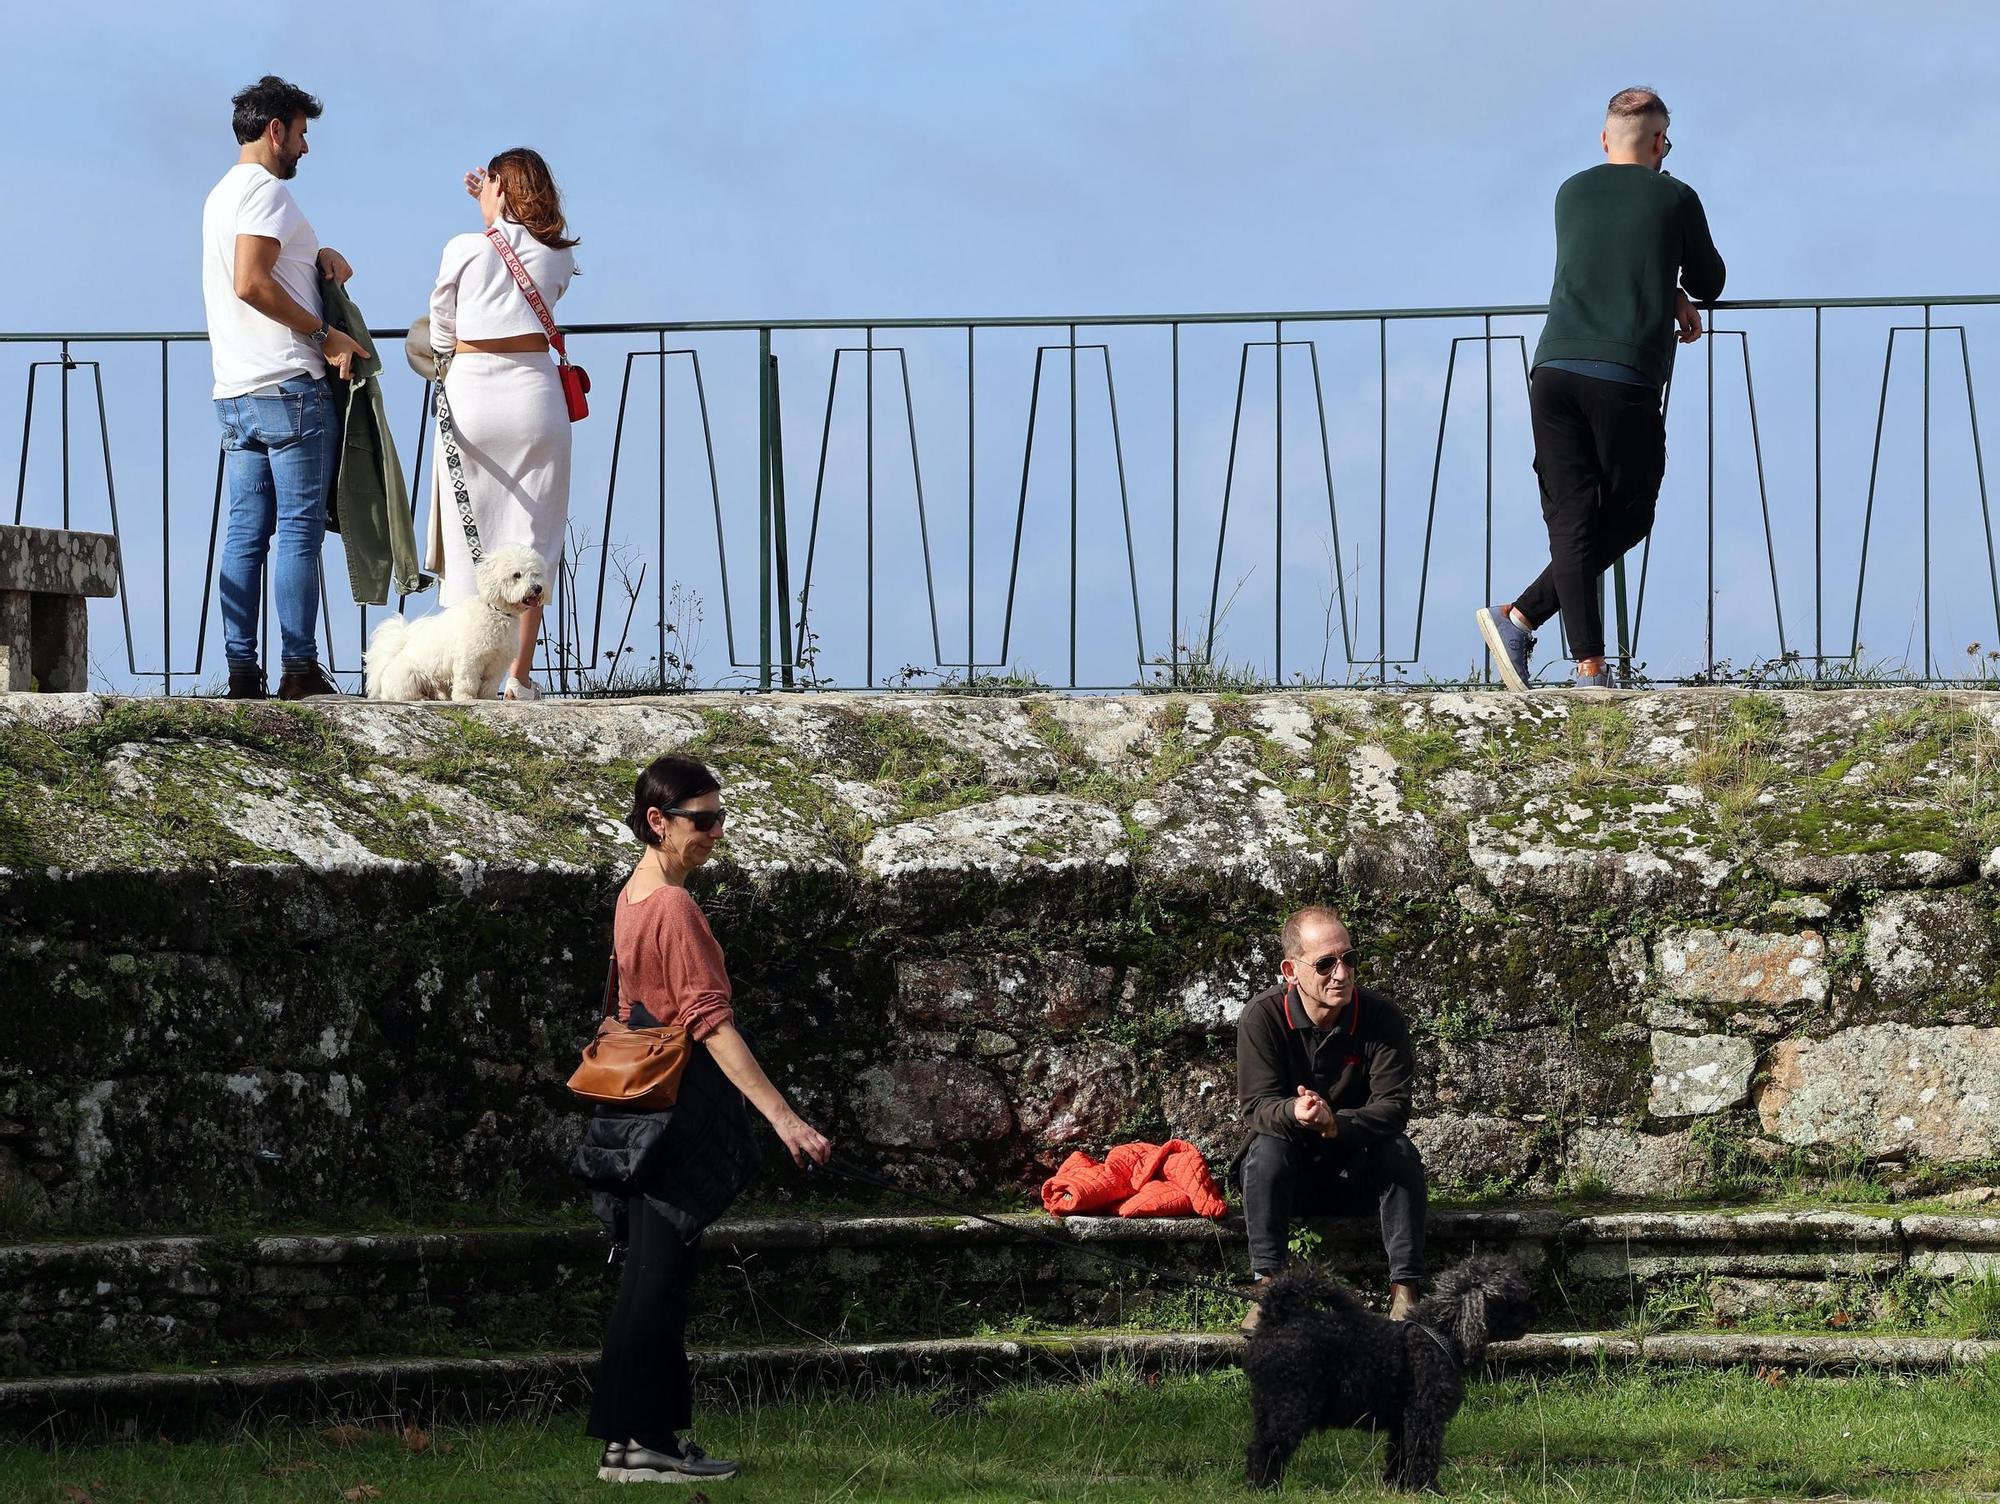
(1351, 959)
(703, 820)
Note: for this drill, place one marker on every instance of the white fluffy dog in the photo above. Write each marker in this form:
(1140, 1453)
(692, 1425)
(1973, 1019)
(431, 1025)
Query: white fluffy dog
(460, 653)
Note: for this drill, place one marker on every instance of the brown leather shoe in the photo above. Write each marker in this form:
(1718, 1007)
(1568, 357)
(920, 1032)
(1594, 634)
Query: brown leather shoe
(1256, 1312)
(246, 682)
(305, 683)
(1403, 1300)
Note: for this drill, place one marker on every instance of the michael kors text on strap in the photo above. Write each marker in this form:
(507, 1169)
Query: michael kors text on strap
(575, 380)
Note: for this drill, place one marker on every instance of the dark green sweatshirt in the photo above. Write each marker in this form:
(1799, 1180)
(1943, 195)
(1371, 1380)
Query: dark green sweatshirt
(1625, 237)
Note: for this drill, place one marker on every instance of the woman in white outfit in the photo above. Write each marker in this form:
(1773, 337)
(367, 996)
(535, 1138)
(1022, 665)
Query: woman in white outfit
(505, 397)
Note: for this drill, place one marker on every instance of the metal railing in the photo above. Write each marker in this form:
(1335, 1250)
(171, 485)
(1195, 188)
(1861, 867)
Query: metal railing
(1318, 406)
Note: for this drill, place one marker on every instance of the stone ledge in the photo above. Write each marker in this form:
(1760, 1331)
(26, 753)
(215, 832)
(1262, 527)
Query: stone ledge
(181, 1404)
(754, 1235)
(1758, 1245)
(1731, 1229)
(133, 1301)
(58, 561)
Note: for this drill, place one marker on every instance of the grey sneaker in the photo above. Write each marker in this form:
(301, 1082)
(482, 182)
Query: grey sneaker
(1594, 681)
(644, 1465)
(1511, 646)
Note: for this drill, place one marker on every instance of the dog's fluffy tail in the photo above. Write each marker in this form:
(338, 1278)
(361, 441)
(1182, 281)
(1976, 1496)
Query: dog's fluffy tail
(1294, 1294)
(384, 644)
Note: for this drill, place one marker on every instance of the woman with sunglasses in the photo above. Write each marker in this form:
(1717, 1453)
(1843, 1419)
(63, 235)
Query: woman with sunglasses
(671, 972)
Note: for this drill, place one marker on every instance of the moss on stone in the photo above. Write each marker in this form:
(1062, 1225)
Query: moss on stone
(1421, 757)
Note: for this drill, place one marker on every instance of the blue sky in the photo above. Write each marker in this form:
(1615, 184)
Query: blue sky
(790, 160)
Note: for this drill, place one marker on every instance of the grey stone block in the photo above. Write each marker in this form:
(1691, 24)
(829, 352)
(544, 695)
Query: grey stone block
(1695, 1075)
(1888, 1089)
(45, 575)
(58, 561)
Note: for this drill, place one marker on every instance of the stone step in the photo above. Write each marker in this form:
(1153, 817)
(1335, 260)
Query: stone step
(134, 1303)
(184, 1403)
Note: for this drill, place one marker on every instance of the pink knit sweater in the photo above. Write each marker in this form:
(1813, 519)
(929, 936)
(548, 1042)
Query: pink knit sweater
(669, 960)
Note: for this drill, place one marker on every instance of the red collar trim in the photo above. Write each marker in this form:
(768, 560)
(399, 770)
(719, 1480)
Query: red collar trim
(1353, 1010)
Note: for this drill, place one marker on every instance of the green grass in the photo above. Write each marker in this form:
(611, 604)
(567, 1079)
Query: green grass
(1650, 1435)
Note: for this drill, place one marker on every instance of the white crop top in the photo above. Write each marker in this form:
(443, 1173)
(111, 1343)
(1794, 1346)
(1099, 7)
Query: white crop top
(476, 297)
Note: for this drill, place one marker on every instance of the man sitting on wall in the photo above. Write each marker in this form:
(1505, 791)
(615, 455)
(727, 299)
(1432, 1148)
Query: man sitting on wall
(1323, 1073)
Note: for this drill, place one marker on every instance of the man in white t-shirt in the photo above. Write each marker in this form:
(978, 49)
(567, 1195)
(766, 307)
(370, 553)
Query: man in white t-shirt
(260, 268)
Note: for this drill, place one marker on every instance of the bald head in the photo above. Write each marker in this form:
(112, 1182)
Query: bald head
(1635, 125)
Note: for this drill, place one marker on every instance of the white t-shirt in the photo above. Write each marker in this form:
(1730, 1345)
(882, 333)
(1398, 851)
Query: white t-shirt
(248, 349)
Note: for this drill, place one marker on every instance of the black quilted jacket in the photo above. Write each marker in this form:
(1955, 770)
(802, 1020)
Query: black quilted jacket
(690, 1161)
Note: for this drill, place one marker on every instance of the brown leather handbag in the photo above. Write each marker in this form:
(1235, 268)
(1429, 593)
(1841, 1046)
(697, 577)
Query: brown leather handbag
(627, 1067)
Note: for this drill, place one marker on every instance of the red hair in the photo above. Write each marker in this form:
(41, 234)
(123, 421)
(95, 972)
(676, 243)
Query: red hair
(532, 198)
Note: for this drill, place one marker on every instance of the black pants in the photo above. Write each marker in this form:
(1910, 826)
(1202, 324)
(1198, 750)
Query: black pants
(643, 1393)
(1282, 1180)
(1600, 454)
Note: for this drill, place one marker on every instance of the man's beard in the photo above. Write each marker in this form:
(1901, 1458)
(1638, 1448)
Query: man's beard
(288, 167)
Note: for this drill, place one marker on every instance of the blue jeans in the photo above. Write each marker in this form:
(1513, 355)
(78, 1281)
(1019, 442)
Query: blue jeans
(279, 453)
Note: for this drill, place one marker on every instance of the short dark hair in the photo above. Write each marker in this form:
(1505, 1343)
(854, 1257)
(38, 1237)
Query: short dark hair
(1636, 103)
(663, 783)
(268, 99)
(1289, 936)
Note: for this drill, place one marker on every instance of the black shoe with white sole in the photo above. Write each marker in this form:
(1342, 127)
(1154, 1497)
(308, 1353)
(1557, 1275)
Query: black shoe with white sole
(636, 1464)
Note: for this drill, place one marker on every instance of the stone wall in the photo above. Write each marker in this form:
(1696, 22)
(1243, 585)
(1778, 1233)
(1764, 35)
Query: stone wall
(275, 960)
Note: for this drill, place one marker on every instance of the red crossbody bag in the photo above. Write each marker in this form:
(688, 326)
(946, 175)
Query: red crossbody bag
(575, 380)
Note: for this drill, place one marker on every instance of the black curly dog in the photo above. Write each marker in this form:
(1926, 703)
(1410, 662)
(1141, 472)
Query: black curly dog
(1319, 1358)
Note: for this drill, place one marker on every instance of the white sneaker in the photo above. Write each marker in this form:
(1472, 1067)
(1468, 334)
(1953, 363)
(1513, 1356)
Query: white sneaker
(520, 689)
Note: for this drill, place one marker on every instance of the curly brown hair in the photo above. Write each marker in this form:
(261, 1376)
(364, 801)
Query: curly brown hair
(532, 198)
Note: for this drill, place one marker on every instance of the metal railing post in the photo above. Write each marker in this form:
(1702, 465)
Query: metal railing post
(780, 535)
(1624, 630)
(764, 559)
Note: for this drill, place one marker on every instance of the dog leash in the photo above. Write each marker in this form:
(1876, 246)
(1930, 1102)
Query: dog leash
(1449, 1349)
(1230, 1291)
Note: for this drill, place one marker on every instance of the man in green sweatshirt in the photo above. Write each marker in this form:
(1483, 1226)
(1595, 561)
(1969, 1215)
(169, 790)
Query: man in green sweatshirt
(1629, 239)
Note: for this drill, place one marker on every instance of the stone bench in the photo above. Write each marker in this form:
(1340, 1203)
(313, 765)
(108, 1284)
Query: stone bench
(46, 574)
(134, 1302)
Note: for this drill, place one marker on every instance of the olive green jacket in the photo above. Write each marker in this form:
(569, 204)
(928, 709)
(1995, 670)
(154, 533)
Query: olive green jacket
(369, 505)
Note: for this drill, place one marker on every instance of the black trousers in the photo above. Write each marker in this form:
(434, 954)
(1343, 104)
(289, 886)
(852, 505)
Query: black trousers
(643, 1392)
(1600, 454)
(1283, 1180)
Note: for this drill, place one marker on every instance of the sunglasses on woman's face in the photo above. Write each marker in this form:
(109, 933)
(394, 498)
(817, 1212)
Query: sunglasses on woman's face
(703, 820)
(1351, 959)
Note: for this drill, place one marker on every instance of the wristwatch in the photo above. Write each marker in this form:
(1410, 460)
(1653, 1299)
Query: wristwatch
(318, 336)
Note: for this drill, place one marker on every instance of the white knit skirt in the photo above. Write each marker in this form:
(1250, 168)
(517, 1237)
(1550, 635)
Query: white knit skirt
(513, 440)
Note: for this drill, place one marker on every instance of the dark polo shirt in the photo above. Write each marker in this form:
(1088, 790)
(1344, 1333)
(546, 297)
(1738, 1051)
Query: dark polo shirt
(1362, 1066)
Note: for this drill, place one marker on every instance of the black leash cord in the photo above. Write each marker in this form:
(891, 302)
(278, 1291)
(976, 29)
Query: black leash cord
(1231, 1292)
